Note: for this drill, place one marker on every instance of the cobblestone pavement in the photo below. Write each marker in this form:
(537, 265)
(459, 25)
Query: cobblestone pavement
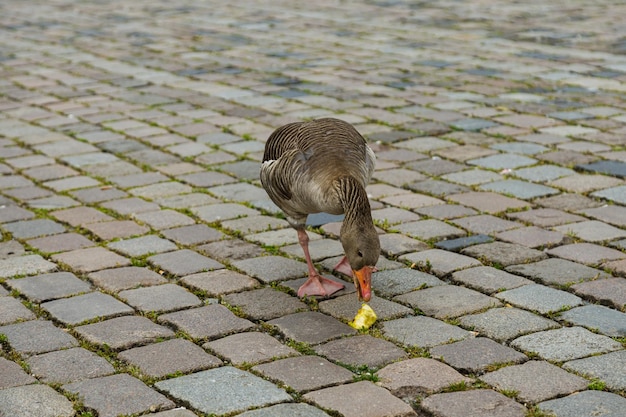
(143, 269)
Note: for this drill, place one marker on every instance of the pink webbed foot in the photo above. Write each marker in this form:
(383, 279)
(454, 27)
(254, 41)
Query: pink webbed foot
(344, 267)
(318, 285)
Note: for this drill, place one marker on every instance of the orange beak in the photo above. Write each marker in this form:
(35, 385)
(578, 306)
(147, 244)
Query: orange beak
(363, 282)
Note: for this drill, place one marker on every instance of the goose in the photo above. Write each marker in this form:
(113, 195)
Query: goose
(324, 165)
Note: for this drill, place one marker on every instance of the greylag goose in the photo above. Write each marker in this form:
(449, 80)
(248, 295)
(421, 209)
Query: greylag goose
(318, 166)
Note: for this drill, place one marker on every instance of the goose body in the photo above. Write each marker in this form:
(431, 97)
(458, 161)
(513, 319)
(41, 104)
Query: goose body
(324, 165)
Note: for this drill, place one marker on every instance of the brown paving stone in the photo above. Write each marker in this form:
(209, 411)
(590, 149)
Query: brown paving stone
(413, 377)
(610, 291)
(568, 202)
(545, 217)
(61, 243)
(80, 216)
(116, 229)
(503, 253)
(91, 259)
(366, 400)
(473, 403)
(534, 237)
(488, 202)
(587, 253)
(193, 235)
(486, 224)
(219, 282)
(118, 279)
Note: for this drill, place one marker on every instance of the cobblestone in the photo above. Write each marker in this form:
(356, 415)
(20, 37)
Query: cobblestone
(134, 224)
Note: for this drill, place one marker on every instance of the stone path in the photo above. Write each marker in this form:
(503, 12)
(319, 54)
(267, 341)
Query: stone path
(144, 270)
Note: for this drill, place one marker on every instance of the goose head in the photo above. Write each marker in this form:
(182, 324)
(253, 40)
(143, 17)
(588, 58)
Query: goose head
(362, 248)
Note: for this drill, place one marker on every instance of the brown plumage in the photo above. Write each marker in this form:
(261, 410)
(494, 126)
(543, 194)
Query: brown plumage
(324, 165)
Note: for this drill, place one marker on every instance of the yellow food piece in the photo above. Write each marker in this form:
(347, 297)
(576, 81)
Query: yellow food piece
(364, 318)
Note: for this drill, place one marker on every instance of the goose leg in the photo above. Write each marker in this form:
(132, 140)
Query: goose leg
(316, 284)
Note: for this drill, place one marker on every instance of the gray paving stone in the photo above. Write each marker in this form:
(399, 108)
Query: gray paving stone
(446, 301)
(422, 331)
(440, 262)
(413, 377)
(476, 355)
(12, 310)
(557, 271)
(286, 410)
(219, 282)
(400, 281)
(193, 235)
(118, 394)
(586, 403)
(445, 212)
(68, 365)
(46, 287)
(80, 216)
(615, 215)
(116, 229)
(361, 350)
(141, 246)
(164, 219)
(311, 327)
(265, 303)
(504, 254)
(118, 279)
(249, 348)
(11, 213)
(305, 373)
(35, 400)
(37, 336)
(61, 242)
(367, 400)
(130, 206)
(394, 244)
(81, 308)
(608, 368)
(539, 298)
(223, 390)
(91, 259)
(565, 344)
(610, 291)
(230, 250)
(27, 229)
(173, 356)
(456, 245)
(504, 324)
(25, 265)
(488, 279)
(614, 168)
(503, 161)
(11, 248)
(184, 262)
(615, 194)
(12, 375)
(160, 298)
(486, 224)
(123, 332)
(534, 237)
(430, 229)
(219, 212)
(543, 173)
(271, 268)
(535, 381)
(597, 318)
(592, 231)
(472, 403)
(209, 322)
(519, 189)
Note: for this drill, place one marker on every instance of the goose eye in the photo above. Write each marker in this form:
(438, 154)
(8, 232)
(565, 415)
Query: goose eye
(360, 253)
